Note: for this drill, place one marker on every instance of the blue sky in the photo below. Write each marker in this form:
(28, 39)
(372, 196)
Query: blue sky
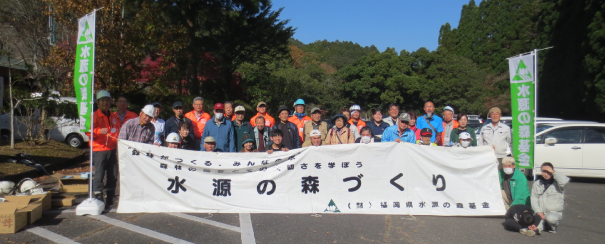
(402, 24)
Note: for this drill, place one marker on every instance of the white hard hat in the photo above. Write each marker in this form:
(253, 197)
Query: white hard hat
(173, 137)
(464, 135)
(6, 186)
(354, 107)
(102, 94)
(149, 110)
(26, 185)
(315, 133)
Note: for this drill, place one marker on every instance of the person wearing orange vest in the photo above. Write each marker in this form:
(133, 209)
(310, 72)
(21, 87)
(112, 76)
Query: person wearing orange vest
(261, 108)
(355, 120)
(299, 118)
(199, 118)
(123, 113)
(104, 143)
(449, 124)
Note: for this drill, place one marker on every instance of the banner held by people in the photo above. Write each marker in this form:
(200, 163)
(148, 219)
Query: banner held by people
(522, 78)
(381, 178)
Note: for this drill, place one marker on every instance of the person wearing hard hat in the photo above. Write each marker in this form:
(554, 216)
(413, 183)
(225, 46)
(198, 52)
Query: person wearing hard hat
(300, 117)
(355, 118)
(462, 127)
(315, 138)
(464, 140)
(104, 143)
(140, 128)
(449, 124)
(173, 140)
(261, 108)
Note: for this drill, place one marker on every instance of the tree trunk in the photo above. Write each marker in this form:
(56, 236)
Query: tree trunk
(10, 92)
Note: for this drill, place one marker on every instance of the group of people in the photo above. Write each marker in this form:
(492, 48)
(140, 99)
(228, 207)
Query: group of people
(227, 130)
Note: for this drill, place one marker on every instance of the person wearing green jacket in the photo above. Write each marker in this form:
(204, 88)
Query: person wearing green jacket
(462, 122)
(513, 184)
(241, 127)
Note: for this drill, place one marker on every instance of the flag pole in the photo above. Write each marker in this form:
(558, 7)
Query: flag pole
(535, 110)
(92, 104)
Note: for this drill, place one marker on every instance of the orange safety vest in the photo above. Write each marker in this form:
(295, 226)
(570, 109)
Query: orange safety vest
(109, 141)
(360, 124)
(300, 124)
(454, 127)
(269, 121)
(129, 115)
(198, 125)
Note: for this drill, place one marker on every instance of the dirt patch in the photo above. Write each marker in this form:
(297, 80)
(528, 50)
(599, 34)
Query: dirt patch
(46, 153)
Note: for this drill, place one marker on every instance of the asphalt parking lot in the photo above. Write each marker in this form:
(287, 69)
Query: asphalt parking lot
(583, 222)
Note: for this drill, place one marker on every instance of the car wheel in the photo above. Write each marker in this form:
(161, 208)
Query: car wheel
(75, 141)
(5, 135)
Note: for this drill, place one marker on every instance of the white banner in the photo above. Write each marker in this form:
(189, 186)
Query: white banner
(378, 178)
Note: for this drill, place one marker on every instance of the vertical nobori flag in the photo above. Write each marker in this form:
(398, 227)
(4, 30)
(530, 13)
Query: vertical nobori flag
(84, 69)
(522, 77)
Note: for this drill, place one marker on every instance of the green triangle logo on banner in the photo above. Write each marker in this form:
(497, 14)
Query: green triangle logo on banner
(332, 207)
(522, 72)
(86, 35)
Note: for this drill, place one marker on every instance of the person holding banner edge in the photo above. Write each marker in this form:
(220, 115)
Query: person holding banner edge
(105, 131)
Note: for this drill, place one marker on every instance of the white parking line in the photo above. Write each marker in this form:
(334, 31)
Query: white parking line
(206, 221)
(44, 233)
(245, 223)
(138, 229)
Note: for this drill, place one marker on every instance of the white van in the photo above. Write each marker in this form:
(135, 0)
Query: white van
(66, 129)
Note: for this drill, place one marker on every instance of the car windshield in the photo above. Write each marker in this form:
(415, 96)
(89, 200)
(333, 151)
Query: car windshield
(543, 128)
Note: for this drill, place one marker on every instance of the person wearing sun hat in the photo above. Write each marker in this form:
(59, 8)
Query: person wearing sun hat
(248, 144)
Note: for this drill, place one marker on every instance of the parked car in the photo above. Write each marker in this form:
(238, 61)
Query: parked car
(66, 129)
(574, 149)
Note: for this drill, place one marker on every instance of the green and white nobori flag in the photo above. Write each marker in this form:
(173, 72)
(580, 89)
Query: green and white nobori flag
(84, 69)
(522, 77)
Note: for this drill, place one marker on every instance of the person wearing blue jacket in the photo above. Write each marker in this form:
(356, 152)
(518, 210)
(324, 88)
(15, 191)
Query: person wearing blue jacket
(400, 132)
(221, 129)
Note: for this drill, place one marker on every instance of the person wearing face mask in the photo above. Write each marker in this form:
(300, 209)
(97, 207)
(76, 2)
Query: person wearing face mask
(513, 184)
(431, 121)
(221, 130)
(464, 140)
(400, 132)
(462, 122)
(367, 136)
(547, 197)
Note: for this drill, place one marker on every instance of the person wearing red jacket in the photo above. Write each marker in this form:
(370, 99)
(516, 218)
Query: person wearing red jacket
(104, 143)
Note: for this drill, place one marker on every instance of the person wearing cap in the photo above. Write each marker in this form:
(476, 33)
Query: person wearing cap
(187, 141)
(123, 113)
(276, 139)
(400, 132)
(299, 118)
(229, 113)
(339, 133)
(355, 117)
(262, 134)
(393, 114)
(367, 136)
(425, 137)
(455, 135)
(198, 118)
(261, 109)
(431, 121)
(548, 197)
(464, 140)
(513, 184)
(449, 124)
(521, 218)
(159, 124)
(315, 138)
(241, 128)
(140, 128)
(104, 143)
(497, 135)
(221, 130)
(377, 125)
(290, 132)
(173, 140)
(210, 145)
(248, 144)
(173, 124)
(314, 124)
